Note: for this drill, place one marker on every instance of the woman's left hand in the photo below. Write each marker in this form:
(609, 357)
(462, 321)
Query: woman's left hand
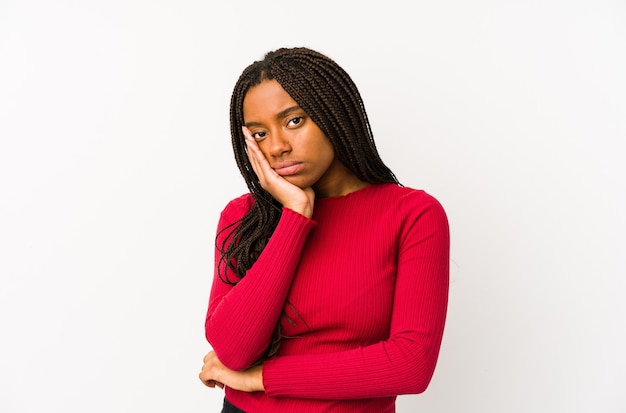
(214, 373)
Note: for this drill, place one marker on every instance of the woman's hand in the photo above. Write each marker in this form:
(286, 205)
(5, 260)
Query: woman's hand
(289, 195)
(214, 373)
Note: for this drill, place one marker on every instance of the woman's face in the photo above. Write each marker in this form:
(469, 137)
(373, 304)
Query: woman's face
(295, 147)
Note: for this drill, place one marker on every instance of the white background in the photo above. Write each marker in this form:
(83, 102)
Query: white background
(115, 162)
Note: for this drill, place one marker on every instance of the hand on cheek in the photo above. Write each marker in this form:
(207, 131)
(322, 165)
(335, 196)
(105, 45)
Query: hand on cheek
(289, 195)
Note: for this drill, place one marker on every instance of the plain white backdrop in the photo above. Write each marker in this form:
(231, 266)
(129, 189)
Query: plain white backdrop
(115, 162)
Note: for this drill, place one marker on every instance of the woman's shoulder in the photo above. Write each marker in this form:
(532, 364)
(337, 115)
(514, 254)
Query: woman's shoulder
(238, 207)
(408, 204)
(413, 209)
(405, 194)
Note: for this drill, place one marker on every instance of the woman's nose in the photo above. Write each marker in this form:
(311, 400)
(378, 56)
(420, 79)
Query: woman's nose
(278, 144)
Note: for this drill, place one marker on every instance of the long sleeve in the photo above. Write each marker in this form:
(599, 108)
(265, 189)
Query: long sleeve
(241, 319)
(405, 361)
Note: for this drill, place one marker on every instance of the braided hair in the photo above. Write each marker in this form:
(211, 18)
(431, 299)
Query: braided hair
(330, 97)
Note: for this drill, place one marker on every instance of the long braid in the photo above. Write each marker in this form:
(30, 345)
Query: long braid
(330, 97)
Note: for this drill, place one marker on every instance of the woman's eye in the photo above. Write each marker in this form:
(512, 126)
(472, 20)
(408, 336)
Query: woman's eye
(296, 121)
(258, 135)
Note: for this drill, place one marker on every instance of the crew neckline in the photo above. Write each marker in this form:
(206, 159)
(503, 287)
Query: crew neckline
(352, 194)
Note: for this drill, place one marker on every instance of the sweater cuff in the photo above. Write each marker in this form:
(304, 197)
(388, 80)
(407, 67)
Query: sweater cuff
(291, 221)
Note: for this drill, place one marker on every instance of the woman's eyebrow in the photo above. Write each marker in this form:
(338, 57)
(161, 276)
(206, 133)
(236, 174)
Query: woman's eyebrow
(279, 115)
(287, 111)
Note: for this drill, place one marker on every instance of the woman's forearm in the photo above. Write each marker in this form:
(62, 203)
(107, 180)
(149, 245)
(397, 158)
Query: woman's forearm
(241, 319)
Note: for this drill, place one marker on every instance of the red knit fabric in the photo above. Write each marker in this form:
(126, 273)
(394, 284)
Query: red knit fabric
(361, 291)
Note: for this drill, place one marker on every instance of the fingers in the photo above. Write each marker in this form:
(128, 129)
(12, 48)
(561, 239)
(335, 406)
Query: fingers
(209, 382)
(257, 159)
(207, 372)
(208, 356)
(212, 384)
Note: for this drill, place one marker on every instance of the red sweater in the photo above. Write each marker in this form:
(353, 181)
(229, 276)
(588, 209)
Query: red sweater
(361, 291)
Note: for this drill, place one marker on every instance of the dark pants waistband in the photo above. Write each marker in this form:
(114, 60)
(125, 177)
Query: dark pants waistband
(229, 408)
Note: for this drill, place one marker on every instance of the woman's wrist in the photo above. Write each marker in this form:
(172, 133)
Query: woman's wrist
(305, 211)
(304, 206)
(255, 374)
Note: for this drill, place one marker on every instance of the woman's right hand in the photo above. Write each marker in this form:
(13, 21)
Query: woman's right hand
(289, 195)
(214, 373)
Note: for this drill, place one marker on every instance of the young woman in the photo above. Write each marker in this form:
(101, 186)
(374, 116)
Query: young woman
(331, 279)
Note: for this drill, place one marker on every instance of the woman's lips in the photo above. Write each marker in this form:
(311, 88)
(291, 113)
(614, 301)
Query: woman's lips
(287, 168)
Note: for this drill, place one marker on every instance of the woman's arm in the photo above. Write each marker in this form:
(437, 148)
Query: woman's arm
(405, 362)
(241, 319)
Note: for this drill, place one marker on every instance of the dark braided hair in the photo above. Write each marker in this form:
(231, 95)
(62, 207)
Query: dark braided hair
(330, 97)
